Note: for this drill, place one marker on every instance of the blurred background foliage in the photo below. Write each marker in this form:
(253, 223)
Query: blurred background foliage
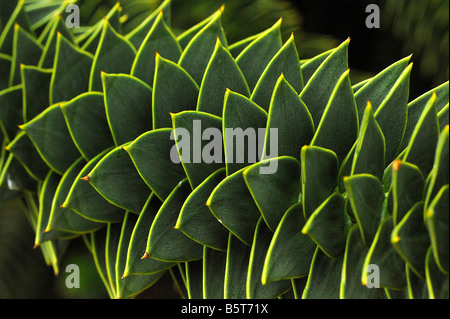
(419, 27)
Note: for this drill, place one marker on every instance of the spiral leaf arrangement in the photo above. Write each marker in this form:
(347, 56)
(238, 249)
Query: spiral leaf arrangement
(94, 127)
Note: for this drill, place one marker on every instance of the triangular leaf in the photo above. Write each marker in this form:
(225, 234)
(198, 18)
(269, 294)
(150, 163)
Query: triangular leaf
(233, 205)
(370, 147)
(174, 91)
(166, 243)
(382, 253)
(338, 127)
(422, 145)
(285, 62)
(290, 252)
(291, 119)
(85, 117)
(48, 132)
(199, 143)
(255, 57)
(319, 177)
(115, 168)
(274, 193)
(327, 226)
(114, 55)
(71, 71)
(410, 239)
(128, 104)
(159, 39)
(242, 118)
(222, 73)
(256, 289)
(196, 55)
(320, 86)
(196, 220)
(151, 154)
(366, 196)
(86, 201)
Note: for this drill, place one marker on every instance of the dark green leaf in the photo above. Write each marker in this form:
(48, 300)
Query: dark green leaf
(436, 219)
(135, 265)
(327, 226)
(114, 54)
(244, 124)
(26, 50)
(98, 248)
(237, 47)
(194, 278)
(370, 147)
(437, 281)
(324, 277)
(443, 116)
(151, 153)
(285, 62)
(86, 201)
(166, 243)
(320, 86)
(199, 143)
(130, 286)
(422, 145)
(36, 88)
(197, 221)
(274, 193)
(338, 126)
(233, 205)
(214, 263)
(378, 87)
(290, 252)
(222, 73)
(383, 254)
(311, 65)
(417, 287)
(392, 115)
(90, 39)
(292, 120)
(48, 132)
(439, 176)
(25, 152)
(71, 71)
(14, 177)
(174, 91)
(116, 168)
(236, 269)
(254, 59)
(65, 219)
(319, 169)
(159, 39)
(10, 111)
(138, 35)
(366, 196)
(410, 239)
(18, 17)
(197, 53)
(85, 117)
(416, 107)
(351, 284)
(58, 27)
(46, 196)
(256, 289)
(5, 67)
(407, 188)
(128, 104)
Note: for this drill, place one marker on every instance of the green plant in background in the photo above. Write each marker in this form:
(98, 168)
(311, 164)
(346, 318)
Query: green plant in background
(91, 124)
(423, 27)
